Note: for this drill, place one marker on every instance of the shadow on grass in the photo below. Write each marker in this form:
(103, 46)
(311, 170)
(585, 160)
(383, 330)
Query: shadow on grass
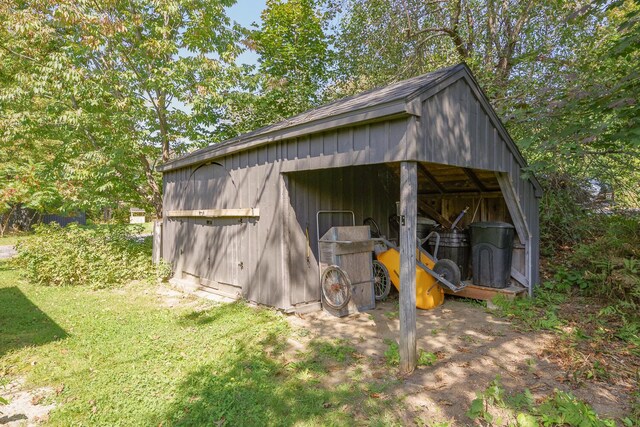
(22, 323)
(254, 389)
(224, 314)
(251, 387)
(202, 317)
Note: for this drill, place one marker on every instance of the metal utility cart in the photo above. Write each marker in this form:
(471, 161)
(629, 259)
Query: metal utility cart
(345, 265)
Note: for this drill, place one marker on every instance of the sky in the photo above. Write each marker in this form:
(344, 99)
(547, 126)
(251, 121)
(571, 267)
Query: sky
(245, 13)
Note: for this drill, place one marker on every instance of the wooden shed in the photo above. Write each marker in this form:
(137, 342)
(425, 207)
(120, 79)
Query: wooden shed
(240, 216)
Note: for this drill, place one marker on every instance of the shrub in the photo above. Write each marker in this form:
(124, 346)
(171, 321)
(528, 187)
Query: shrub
(557, 409)
(610, 263)
(98, 257)
(567, 216)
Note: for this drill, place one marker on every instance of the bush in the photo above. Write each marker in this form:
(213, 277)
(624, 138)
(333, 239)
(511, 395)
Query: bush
(610, 263)
(567, 216)
(98, 257)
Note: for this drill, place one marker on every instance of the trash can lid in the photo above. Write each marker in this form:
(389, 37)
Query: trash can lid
(491, 224)
(425, 220)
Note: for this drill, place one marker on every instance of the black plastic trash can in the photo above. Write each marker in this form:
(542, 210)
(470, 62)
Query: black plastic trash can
(454, 245)
(491, 252)
(424, 226)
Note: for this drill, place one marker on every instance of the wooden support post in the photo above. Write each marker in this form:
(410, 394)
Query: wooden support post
(408, 220)
(520, 222)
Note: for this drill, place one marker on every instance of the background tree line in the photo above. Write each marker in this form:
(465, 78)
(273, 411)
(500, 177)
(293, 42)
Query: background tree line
(95, 93)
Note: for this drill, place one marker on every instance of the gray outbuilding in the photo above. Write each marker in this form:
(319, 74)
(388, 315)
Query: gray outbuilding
(240, 216)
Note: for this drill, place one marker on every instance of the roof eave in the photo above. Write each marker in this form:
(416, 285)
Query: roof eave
(396, 108)
(462, 71)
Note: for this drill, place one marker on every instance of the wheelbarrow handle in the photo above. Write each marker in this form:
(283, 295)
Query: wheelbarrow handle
(435, 251)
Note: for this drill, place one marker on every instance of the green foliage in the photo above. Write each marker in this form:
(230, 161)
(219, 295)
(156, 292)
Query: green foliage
(97, 257)
(586, 121)
(392, 353)
(532, 314)
(565, 215)
(164, 270)
(635, 410)
(610, 264)
(426, 358)
(127, 359)
(564, 409)
(293, 67)
(605, 265)
(492, 395)
(562, 76)
(92, 94)
(560, 408)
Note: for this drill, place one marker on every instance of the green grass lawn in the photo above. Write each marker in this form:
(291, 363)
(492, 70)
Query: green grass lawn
(120, 357)
(12, 239)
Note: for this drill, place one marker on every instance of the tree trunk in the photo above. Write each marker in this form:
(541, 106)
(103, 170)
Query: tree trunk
(4, 221)
(164, 125)
(156, 193)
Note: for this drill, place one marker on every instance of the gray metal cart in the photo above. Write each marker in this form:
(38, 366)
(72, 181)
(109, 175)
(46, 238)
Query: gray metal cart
(345, 265)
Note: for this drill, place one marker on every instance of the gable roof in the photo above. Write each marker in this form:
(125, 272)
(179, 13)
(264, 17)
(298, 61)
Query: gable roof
(381, 96)
(396, 99)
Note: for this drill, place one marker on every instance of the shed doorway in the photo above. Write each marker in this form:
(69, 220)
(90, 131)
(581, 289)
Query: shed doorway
(372, 191)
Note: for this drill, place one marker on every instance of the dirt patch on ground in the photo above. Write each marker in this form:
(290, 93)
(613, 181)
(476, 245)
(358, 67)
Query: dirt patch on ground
(472, 347)
(26, 407)
(7, 251)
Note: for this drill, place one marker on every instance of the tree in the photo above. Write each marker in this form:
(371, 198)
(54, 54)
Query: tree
(505, 42)
(107, 79)
(293, 66)
(549, 69)
(591, 120)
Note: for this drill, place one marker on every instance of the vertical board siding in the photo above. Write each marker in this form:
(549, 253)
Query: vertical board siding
(459, 132)
(251, 181)
(345, 140)
(225, 251)
(329, 170)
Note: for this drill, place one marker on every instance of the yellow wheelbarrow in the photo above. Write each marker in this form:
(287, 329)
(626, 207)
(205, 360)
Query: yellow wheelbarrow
(431, 273)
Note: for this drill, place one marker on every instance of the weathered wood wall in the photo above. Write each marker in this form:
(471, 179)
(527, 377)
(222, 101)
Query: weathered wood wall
(289, 180)
(459, 131)
(261, 258)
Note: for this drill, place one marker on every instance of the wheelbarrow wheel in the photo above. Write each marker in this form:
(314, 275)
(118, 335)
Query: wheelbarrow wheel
(381, 281)
(449, 270)
(336, 287)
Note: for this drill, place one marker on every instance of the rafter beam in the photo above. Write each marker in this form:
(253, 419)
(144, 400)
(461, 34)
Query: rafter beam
(424, 207)
(431, 178)
(474, 178)
(486, 194)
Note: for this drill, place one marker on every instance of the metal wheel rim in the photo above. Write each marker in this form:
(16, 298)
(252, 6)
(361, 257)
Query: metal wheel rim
(373, 226)
(381, 281)
(335, 288)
